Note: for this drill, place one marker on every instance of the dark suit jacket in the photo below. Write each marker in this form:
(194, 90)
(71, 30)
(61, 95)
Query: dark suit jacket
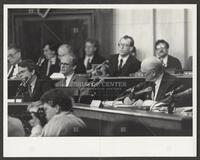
(168, 83)
(97, 59)
(42, 85)
(132, 65)
(173, 63)
(76, 81)
(53, 69)
(80, 68)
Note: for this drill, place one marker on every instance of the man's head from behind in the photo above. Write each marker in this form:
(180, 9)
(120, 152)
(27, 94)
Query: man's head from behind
(152, 68)
(26, 69)
(49, 50)
(125, 45)
(68, 64)
(161, 48)
(55, 101)
(65, 49)
(14, 55)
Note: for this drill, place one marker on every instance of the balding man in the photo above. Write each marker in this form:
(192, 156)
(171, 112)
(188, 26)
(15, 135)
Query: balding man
(154, 71)
(14, 57)
(68, 65)
(66, 49)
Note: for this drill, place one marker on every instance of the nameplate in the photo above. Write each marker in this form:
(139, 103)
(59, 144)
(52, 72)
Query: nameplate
(96, 104)
(15, 100)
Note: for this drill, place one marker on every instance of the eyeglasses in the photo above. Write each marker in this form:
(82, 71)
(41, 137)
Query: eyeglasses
(65, 64)
(12, 55)
(123, 45)
(160, 47)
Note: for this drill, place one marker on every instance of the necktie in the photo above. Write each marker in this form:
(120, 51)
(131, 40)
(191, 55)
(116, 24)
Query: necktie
(48, 67)
(64, 82)
(29, 90)
(89, 65)
(11, 72)
(162, 62)
(153, 91)
(120, 65)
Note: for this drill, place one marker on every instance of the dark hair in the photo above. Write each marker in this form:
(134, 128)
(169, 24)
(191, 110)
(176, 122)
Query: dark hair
(57, 96)
(14, 46)
(129, 37)
(162, 41)
(52, 46)
(30, 64)
(94, 42)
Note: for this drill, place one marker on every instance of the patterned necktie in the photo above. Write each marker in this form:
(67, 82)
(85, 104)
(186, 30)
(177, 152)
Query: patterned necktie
(89, 65)
(29, 90)
(64, 82)
(153, 91)
(48, 67)
(120, 65)
(11, 72)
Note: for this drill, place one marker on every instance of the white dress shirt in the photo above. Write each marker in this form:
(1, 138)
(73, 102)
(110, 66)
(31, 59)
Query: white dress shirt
(15, 72)
(157, 85)
(88, 59)
(68, 79)
(123, 58)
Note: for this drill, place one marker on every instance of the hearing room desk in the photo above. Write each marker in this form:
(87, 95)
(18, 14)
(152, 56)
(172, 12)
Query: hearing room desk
(124, 121)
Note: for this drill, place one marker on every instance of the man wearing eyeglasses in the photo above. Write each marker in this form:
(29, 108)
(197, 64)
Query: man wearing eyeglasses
(124, 63)
(14, 57)
(68, 64)
(168, 61)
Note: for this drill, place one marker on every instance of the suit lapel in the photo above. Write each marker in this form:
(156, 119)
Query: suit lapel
(73, 79)
(36, 87)
(128, 61)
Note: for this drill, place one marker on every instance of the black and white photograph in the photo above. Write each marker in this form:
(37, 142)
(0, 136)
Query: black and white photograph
(115, 80)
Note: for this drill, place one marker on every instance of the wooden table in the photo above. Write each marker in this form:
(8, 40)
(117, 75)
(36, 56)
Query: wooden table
(125, 121)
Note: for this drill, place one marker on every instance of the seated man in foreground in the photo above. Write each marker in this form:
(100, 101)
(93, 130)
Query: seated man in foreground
(32, 85)
(159, 81)
(61, 120)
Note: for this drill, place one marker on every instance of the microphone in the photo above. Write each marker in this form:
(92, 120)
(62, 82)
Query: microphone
(40, 60)
(141, 92)
(176, 90)
(136, 87)
(184, 93)
(102, 64)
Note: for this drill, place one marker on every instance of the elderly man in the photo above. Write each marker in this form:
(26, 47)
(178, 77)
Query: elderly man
(14, 57)
(50, 62)
(160, 82)
(61, 120)
(32, 86)
(124, 63)
(68, 64)
(163, 81)
(66, 49)
(168, 61)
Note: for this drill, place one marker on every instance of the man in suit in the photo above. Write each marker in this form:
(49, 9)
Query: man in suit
(168, 61)
(163, 81)
(68, 64)
(32, 85)
(156, 78)
(14, 57)
(91, 55)
(66, 49)
(124, 63)
(61, 120)
(50, 62)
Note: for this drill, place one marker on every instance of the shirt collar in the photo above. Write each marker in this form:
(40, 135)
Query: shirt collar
(33, 81)
(53, 60)
(123, 58)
